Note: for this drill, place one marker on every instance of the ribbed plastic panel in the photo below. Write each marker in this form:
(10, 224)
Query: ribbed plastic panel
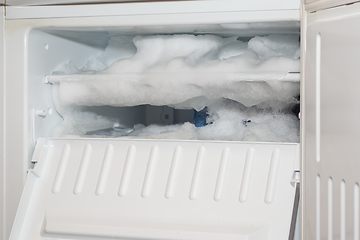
(163, 190)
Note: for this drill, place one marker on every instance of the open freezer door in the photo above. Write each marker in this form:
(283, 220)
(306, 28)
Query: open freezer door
(154, 189)
(331, 123)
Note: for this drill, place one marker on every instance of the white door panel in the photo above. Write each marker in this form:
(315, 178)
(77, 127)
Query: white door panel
(316, 5)
(332, 131)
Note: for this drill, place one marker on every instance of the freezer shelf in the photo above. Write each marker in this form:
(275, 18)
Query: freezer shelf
(153, 189)
(247, 88)
(207, 77)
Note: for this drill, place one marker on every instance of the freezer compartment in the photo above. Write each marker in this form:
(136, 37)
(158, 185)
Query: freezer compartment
(34, 52)
(108, 75)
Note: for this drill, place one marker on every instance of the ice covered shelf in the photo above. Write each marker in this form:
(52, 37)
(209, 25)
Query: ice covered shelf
(173, 89)
(249, 87)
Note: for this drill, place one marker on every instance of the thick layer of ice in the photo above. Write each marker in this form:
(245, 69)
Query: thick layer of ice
(119, 47)
(239, 82)
(185, 71)
(78, 122)
(227, 120)
(193, 92)
(275, 45)
(231, 122)
(204, 52)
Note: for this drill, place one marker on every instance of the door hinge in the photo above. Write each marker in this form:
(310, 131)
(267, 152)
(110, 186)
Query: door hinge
(295, 178)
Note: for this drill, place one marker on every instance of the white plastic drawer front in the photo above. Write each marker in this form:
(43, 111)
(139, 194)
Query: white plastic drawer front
(147, 189)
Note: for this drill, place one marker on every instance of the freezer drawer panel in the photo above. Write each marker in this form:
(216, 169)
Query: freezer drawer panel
(153, 189)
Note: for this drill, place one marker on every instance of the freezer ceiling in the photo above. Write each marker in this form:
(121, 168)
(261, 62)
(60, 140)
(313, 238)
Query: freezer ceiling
(295, 3)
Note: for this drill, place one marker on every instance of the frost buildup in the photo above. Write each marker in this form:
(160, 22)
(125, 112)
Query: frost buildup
(240, 83)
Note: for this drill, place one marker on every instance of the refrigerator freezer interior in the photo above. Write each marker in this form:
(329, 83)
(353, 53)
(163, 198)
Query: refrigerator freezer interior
(206, 107)
(237, 82)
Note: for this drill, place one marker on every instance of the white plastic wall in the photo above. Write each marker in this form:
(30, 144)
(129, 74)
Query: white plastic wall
(24, 96)
(50, 51)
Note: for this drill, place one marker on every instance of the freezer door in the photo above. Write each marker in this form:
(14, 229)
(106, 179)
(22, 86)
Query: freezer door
(332, 129)
(317, 5)
(153, 189)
